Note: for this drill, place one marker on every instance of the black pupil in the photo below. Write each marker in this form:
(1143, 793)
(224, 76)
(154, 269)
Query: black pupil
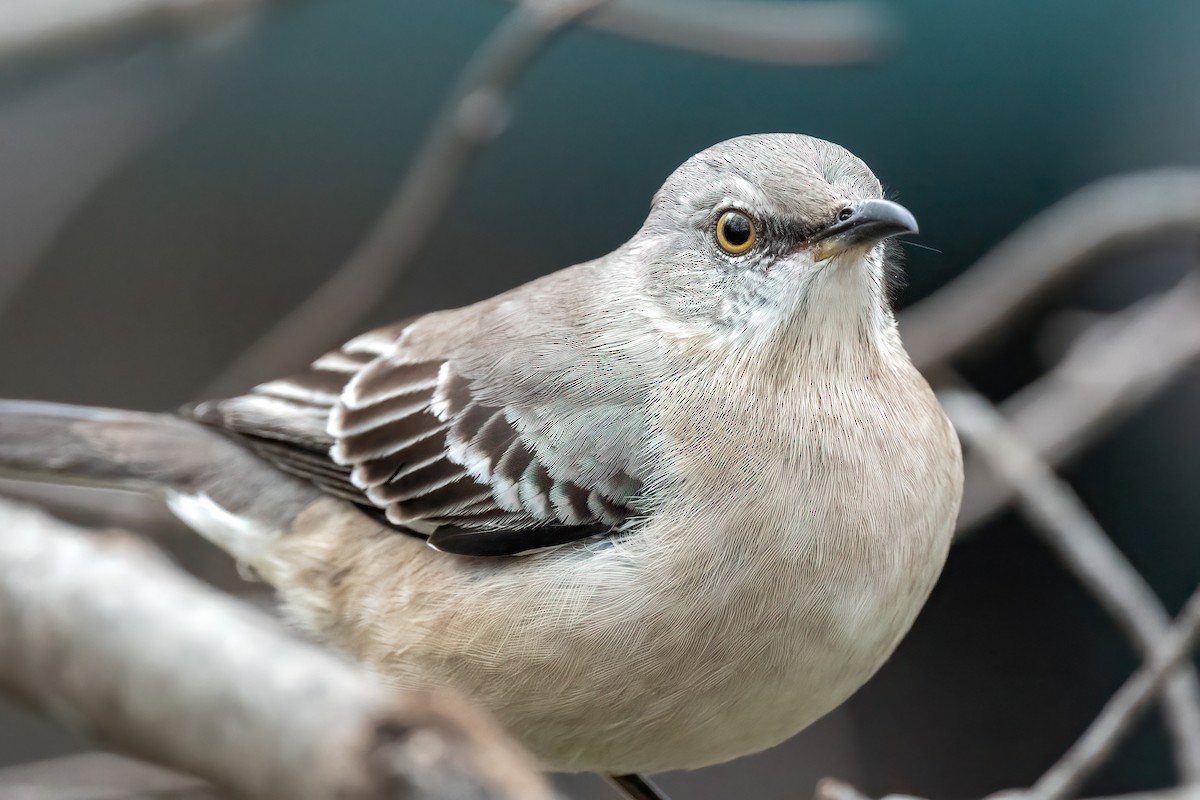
(737, 230)
(845, 214)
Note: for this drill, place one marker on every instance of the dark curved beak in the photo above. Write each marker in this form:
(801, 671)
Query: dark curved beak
(863, 224)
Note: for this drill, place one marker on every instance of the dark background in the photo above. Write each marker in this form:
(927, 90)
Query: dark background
(277, 152)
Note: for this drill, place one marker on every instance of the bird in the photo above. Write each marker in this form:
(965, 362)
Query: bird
(654, 511)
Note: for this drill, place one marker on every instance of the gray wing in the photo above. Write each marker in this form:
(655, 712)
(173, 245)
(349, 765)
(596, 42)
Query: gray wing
(440, 442)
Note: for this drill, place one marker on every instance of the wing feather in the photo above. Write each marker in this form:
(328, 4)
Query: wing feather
(413, 436)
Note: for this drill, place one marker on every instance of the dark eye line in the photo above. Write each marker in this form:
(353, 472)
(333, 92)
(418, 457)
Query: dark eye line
(787, 235)
(807, 232)
(786, 229)
(775, 237)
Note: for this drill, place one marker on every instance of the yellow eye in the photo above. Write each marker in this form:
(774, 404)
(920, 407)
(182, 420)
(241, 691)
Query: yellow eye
(736, 232)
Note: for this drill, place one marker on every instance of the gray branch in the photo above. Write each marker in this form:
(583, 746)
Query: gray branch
(65, 138)
(1123, 710)
(1118, 365)
(1077, 539)
(793, 33)
(102, 634)
(102, 776)
(1042, 254)
(40, 28)
(814, 33)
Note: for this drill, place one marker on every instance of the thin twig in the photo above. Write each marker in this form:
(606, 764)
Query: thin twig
(43, 28)
(1114, 368)
(104, 635)
(1123, 710)
(475, 114)
(1041, 254)
(1079, 542)
(794, 33)
(65, 138)
(813, 33)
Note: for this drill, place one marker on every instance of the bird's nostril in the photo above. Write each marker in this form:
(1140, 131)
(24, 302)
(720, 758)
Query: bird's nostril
(845, 214)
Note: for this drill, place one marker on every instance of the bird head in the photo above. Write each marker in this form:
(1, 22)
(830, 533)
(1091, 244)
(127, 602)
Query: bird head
(770, 236)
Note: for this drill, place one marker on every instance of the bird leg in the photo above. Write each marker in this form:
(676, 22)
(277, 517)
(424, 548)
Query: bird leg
(636, 787)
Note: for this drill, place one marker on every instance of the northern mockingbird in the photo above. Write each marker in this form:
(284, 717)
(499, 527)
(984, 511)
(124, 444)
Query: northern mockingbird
(654, 511)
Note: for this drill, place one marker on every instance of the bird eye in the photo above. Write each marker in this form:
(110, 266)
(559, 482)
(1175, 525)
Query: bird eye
(736, 232)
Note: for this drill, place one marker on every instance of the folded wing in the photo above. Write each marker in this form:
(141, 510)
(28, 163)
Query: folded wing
(437, 445)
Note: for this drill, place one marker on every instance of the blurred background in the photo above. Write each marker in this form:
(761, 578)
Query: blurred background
(162, 206)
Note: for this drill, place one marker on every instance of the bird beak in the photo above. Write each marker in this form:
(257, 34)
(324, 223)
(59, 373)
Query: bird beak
(869, 222)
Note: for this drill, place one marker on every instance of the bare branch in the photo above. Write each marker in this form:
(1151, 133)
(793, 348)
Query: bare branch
(1124, 708)
(764, 32)
(475, 114)
(1043, 253)
(101, 776)
(63, 139)
(1079, 542)
(37, 29)
(1113, 369)
(111, 640)
(813, 33)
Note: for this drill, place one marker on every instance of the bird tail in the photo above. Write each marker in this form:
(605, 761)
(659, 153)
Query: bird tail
(216, 486)
(101, 447)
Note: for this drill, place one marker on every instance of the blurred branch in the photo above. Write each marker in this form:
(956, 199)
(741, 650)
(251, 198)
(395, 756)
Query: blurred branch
(1079, 542)
(101, 776)
(63, 139)
(1043, 253)
(107, 637)
(1112, 369)
(475, 115)
(811, 33)
(1124, 708)
(39, 28)
(1116, 718)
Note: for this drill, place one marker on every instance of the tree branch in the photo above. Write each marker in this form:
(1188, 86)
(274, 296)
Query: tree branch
(1042, 254)
(111, 640)
(101, 776)
(66, 137)
(1119, 364)
(795, 33)
(812, 33)
(1077, 539)
(45, 28)
(1123, 710)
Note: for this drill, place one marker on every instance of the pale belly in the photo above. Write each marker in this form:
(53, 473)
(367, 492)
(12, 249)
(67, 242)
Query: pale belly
(636, 657)
(735, 664)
